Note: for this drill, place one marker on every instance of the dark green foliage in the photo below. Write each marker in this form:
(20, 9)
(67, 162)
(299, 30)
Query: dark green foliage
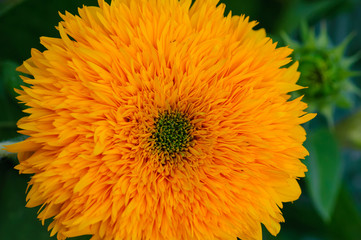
(325, 171)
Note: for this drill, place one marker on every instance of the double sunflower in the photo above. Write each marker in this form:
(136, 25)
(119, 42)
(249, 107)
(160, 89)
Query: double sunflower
(161, 119)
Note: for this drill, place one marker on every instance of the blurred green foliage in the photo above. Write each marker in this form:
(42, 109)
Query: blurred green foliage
(330, 205)
(326, 71)
(324, 170)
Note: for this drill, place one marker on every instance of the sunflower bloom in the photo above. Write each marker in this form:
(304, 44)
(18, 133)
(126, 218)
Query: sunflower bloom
(153, 119)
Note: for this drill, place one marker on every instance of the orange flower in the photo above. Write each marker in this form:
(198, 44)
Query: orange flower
(153, 119)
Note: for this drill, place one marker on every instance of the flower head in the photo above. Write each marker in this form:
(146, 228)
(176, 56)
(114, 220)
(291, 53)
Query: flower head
(325, 71)
(157, 119)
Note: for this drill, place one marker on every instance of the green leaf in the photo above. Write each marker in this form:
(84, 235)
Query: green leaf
(327, 111)
(346, 220)
(298, 10)
(10, 77)
(324, 171)
(349, 130)
(344, 101)
(10, 109)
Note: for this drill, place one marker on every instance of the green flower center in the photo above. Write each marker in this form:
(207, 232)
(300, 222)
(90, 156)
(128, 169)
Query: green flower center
(172, 132)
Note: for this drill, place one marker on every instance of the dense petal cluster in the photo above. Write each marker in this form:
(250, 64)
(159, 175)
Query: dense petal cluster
(107, 98)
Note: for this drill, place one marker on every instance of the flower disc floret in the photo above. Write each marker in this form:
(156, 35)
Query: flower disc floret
(172, 132)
